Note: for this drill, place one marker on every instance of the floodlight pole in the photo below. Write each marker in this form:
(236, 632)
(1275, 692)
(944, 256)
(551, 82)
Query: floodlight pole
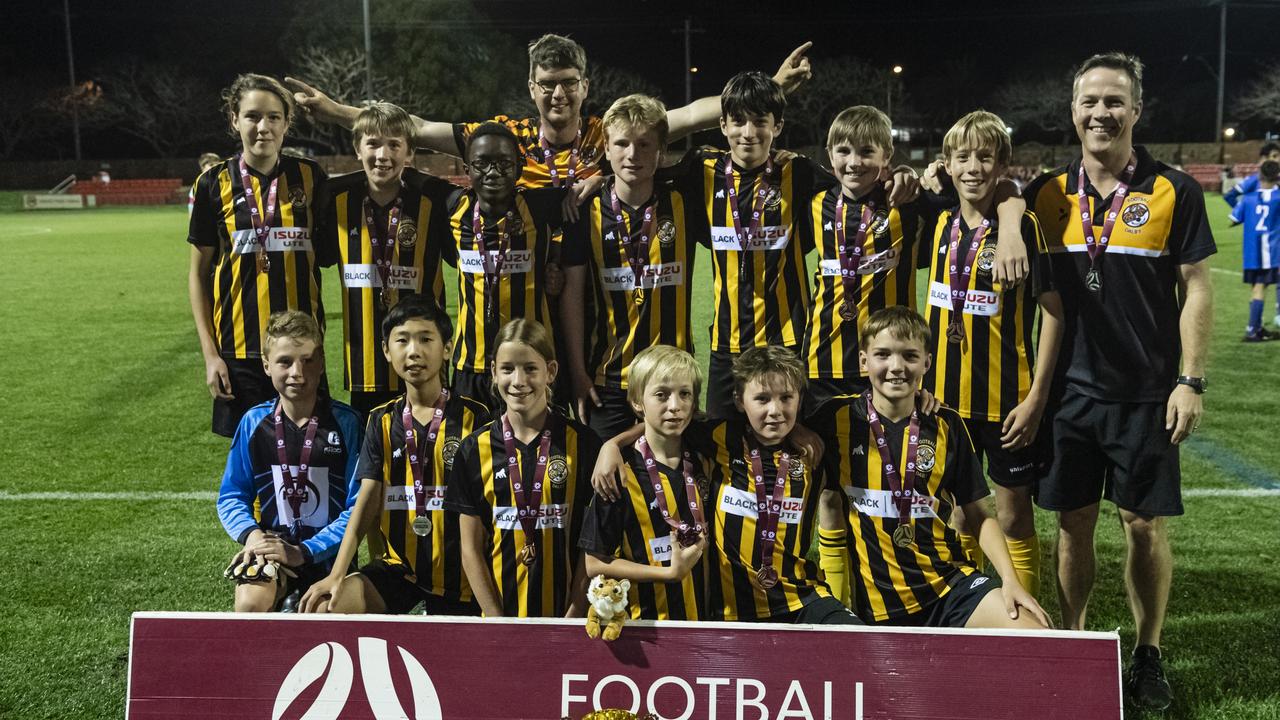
(368, 56)
(1222, 67)
(688, 31)
(71, 76)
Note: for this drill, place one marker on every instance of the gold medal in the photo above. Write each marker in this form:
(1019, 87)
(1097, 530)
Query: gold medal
(955, 333)
(422, 526)
(904, 535)
(264, 263)
(848, 311)
(767, 577)
(529, 554)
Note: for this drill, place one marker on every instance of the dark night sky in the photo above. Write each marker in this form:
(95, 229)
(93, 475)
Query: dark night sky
(1005, 39)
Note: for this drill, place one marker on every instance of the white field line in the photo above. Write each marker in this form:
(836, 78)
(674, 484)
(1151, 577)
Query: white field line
(1226, 272)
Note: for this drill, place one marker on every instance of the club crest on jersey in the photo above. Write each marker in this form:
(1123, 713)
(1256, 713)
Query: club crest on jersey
(796, 471)
(879, 223)
(334, 444)
(588, 152)
(986, 259)
(773, 199)
(666, 231)
(407, 234)
(557, 471)
(1136, 213)
(449, 450)
(703, 483)
(925, 456)
(298, 198)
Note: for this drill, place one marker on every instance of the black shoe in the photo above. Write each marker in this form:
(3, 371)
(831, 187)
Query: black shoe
(290, 604)
(1145, 682)
(1259, 335)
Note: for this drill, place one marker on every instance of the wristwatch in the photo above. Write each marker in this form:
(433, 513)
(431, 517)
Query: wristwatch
(1198, 384)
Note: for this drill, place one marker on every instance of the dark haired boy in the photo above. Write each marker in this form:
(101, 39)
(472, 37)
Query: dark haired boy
(1259, 212)
(415, 547)
(1268, 151)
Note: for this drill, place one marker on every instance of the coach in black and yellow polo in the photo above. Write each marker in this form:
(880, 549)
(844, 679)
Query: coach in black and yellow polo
(1128, 240)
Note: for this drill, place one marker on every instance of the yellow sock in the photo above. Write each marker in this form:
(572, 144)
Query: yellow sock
(833, 559)
(1025, 554)
(973, 551)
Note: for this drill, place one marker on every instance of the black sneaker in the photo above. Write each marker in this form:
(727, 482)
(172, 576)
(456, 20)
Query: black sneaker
(1258, 335)
(1145, 682)
(290, 604)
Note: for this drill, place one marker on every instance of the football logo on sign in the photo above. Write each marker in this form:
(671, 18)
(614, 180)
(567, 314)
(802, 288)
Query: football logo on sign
(332, 662)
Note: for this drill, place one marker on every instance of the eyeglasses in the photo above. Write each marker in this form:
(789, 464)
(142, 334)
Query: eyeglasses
(482, 167)
(569, 85)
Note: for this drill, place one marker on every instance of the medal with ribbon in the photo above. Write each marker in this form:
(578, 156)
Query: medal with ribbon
(383, 245)
(493, 260)
(1096, 249)
(261, 225)
(959, 272)
(549, 157)
(768, 511)
(901, 484)
(638, 257)
(757, 208)
(850, 256)
(295, 483)
(686, 534)
(417, 458)
(528, 500)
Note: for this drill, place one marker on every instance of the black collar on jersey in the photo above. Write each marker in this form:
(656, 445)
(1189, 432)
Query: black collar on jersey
(1146, 169)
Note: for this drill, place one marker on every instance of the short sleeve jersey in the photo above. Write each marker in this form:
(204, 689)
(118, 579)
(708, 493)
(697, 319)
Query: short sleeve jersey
(989, 372)
(252, 494)
(243, 295)
(890, 582)
(633, 528)
(414, 255)
(1259, 213)
(1122, 343)
(500, 280)
(641, 279)
(479, 485)
(577, 160)
(435, 559)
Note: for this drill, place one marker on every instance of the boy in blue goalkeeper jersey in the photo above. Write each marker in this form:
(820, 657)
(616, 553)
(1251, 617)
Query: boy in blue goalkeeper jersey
(289, 484)
(1269, 151)
(1259, 212)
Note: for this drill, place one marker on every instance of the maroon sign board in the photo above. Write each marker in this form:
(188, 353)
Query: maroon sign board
(290, 667)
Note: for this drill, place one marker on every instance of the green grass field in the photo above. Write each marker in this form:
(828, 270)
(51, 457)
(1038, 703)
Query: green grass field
(102, 391)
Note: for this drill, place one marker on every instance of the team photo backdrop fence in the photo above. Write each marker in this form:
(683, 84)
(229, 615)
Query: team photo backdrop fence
(320, 667)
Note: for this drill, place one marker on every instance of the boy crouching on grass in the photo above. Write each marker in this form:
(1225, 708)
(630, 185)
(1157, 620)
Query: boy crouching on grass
(415, 547)
(895, 476)
(289, 483)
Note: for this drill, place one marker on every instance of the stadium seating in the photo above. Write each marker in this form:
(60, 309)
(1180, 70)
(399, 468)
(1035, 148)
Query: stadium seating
(1209, 176)
(162, 191)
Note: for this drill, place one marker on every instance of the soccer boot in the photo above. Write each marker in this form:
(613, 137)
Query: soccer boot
(1145, 683)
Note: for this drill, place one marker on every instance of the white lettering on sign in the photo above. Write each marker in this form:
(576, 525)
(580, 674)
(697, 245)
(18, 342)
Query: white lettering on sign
(743, 504)
(517, 261)
(770, 237)
(399, 277)
(976, 302)
(549, 516)
(673, 698)
(280, 239)
(879, 503)
(621, 279)
(400, 497)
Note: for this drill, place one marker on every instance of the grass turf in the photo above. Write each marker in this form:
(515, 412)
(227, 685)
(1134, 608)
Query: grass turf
(101, 389)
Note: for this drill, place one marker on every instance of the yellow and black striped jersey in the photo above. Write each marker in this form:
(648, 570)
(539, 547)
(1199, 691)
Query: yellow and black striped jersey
(986, 375)
(624, 326)
(537, 170)
(886, 275)
(415, 265)
(762, 295)
(632, 527)
(890, 582)
(244, 297)
(1123, 344)
(436, 558)
(731, 509)
(519, 290)
(479, 486)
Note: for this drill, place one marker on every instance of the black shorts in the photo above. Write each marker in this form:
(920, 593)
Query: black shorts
(820, 390)
(1009, 468)
(613, 415)
(401, 594)
(363, 402)
(1269, 276)
(251, 386)
(955, 608)
(818, 611)
(1117, 451)
(477, 386)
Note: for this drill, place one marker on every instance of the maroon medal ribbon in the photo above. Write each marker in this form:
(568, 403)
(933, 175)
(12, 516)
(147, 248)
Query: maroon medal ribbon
(850, 256)
(768, 511)
(528, 502)
(261, 225)
(1096, 249)
(493, 260)
(901, 484)
(382, 246)
(686, 534)
(639, 258)
(549, 157)
(757, 207)
(295, 489)
(958, 274)
(418, 462)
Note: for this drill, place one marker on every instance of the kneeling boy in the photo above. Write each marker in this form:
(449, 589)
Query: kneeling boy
(289, 483)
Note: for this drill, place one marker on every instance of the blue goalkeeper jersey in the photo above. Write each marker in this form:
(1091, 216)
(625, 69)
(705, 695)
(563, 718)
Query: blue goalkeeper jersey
(1259, 213)
(253, 486)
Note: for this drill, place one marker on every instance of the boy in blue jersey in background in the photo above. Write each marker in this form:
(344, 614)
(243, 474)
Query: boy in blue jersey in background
(289, 484)
(1269, 151)
(1259, 212)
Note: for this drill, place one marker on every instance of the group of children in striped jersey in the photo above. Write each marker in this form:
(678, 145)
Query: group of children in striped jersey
(475, 489)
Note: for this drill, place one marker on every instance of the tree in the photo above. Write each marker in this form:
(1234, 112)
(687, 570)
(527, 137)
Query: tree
(609, 83)
(1261, 99)
(836, 84)
(26, 112)
(1042, 103)
(163, 105)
